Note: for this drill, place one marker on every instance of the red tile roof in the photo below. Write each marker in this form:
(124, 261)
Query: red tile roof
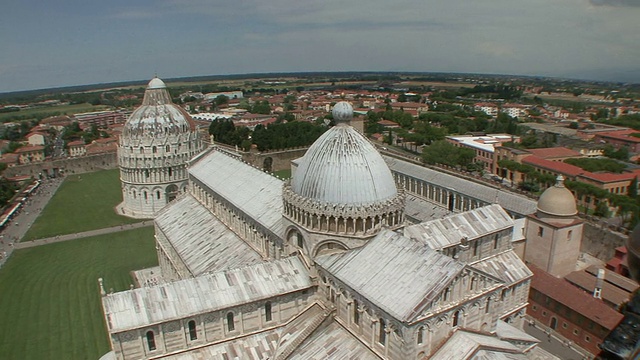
(555, 152)
(554, 166)
(577, 300)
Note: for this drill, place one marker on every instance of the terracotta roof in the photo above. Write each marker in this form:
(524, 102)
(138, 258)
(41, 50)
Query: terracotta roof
(608, 177)
(25, 149)
(554, 166)
(547, 153)
(577, 300)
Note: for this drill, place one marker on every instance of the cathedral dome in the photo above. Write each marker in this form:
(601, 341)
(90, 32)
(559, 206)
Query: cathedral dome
(342, 167)
(557, 200)
(158, 114)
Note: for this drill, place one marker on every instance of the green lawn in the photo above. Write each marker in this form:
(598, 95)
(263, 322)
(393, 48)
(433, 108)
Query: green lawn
(283, 174)
(83, 202)
(49, 296)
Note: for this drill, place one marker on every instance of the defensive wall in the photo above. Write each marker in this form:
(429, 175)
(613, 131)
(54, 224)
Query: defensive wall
(78, 165)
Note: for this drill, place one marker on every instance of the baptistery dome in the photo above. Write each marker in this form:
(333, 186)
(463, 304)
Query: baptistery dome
(342, 167)
(557, 200)
(158, 114)
(158, 140)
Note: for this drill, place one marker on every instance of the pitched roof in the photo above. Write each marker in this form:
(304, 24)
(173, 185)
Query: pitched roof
(207, 293)
(389, 281)
(511, 202)
(201, 240)
(572, 297)
(464, 345)
(448, 231)
(556, 152)
(250, 190)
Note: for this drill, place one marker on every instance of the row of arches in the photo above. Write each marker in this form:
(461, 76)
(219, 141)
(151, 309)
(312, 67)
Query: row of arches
(242, 225)
(340, 224)
(448, 198)
(153, 175)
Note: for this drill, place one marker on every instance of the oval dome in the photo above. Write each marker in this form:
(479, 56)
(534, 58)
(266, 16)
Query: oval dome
(557, 200)
(158, 113)
(342, 167)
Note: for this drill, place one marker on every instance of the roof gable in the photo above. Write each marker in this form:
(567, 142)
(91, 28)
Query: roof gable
(389, 282)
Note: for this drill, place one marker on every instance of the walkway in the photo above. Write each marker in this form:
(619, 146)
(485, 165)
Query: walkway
(60, 238)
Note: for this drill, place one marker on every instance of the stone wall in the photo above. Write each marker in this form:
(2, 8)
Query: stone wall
(601, 242)
(274, 160)
(66, 166)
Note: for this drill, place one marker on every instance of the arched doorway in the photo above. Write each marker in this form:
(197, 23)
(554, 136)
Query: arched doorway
(267, 165)
(171, 192)
(554, 323)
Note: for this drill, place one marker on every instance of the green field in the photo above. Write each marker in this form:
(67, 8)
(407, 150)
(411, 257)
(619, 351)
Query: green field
(283, 174)
(49, 296)
(49, 110)
(83, 202)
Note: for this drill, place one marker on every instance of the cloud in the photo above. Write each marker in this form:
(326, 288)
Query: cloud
(615, 2)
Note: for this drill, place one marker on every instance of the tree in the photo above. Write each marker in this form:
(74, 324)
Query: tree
(221, 100)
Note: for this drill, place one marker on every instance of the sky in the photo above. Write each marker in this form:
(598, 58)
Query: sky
(58, 43)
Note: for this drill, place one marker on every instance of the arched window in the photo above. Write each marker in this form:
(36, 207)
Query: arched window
(151, 340)
(456, 318)
(158, 194)
(446, 295)
(146, 173)
(420, 335)
(141, 149)
(193, 333)
(155, 150)
(267, 311)
(170, 171)
(230, 323)
(473, 283)
(495, 241)
(300, 241)
(145, 195)
(554, 323)
(168, 148)
(356, 314)
(488, 307)
(382, 334)
(134, 194)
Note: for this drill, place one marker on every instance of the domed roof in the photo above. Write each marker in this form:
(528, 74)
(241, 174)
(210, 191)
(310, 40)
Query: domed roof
(156, 83)
(342, 167)
(557, 200)
(158, 113)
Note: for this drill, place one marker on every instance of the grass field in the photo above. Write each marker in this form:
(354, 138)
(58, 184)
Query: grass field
(49, 296)
(62, 109)
(83, 202)
(283, 174)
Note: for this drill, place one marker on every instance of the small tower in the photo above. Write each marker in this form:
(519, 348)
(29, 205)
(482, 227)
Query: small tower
(157, 141)
(554, 232)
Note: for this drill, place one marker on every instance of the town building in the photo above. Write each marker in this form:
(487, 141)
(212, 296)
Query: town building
(483, 146)
(157, 141)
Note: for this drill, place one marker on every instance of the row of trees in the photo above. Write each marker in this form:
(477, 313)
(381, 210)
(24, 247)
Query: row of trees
(276, 136)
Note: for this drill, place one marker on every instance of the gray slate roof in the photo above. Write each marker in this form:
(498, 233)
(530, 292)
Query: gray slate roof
(385, 271)
(332, 342)
(512, 202)
(210, 292)
(203, 242)
(506, 266)
(251, 190)
(448, 231)
(464, 345)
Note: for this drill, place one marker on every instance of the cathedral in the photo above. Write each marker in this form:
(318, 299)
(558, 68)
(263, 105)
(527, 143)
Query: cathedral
(326, 265)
